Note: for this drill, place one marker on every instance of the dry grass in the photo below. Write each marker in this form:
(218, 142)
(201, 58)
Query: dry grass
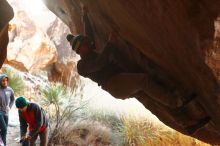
(88, 133)
(145, 133)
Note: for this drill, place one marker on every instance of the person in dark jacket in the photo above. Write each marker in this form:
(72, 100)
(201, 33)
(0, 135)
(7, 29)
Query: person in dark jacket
(33, 117)
(6, 102)
(110, 69)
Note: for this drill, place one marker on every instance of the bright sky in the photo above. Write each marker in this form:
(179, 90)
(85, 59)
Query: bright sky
(33, 6)
(36, 10)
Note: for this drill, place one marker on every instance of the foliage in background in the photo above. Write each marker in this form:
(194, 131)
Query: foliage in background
(74, 122)
(132, 130)
(61, 104)
(15, 82)
(141, 132)
(138, 132)
(86, 132)
(107, 118)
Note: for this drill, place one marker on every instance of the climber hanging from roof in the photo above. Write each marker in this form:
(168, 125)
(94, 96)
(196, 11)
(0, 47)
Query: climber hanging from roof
(110, 69)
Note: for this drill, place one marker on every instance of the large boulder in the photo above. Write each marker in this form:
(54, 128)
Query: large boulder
(177, 35)
(64, 69)
(38, 42)
(29, 49)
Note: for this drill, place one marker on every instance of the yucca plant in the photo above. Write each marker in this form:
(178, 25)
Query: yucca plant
(61, 104)
(15, 82)
(52, 99)
(53, 94)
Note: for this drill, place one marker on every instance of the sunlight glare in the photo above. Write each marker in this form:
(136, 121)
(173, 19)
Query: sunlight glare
(34, 6)
(38, 12)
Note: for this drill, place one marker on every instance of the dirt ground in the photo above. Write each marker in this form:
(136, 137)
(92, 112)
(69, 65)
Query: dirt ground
(13, 128)
(13, 136)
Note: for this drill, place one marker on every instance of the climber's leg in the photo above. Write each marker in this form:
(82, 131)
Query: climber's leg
(192, 116)
(162, 92)
(124, 85)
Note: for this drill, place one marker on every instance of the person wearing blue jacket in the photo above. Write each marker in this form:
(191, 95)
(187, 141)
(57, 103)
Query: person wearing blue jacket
(6, 102)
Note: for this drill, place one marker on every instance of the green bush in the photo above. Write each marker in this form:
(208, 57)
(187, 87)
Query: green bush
(15, 82)
(61, 105)
(53, 94)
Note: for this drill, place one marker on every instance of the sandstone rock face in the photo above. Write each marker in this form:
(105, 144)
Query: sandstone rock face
(176, 35)
(64, 69)
(38, 42)
(64, 72)
(29, 49)
(6, 14)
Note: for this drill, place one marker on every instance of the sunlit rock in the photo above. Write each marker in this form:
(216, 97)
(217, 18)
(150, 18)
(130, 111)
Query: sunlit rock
(63, 72)
(38, 42)
(64, 69)
(29, 49)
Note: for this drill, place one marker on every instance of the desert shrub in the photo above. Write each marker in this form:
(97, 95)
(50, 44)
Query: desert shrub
(86, 132)
(138, 132)
(107, 118)
(60, 103)
(141, 132)
(76, 123)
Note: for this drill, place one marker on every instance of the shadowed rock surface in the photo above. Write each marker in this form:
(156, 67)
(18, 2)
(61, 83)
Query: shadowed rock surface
(178, 37)
(6, 14)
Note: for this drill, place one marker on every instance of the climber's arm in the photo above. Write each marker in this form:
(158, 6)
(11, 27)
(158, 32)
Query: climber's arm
(85, 66)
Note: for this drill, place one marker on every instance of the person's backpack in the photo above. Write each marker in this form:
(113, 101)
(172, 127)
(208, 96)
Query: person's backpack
(1, 142)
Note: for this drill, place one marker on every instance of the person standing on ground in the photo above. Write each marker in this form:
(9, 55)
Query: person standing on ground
(33, 117)
(6, 102)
